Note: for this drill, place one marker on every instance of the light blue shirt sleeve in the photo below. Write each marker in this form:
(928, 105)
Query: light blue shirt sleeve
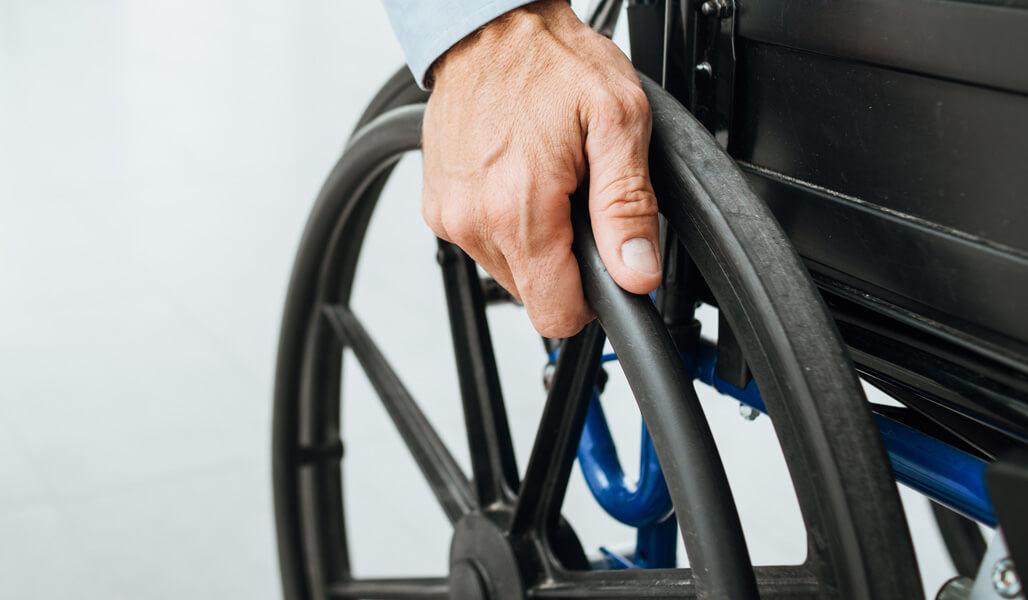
(428, 28)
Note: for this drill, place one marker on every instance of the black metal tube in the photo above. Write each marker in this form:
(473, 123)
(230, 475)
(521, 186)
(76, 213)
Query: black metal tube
(696, 478)
(964, 542)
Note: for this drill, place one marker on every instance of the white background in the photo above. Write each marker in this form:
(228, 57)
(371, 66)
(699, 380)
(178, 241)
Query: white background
(157, 163)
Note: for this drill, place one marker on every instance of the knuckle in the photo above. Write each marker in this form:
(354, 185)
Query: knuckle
(502, 219)
(609, 110)
(628, 196)
(621, 106)
(458, 225)
(605, 99)
(560, 236)
(558, 325)
(635, 100)
(431, 216)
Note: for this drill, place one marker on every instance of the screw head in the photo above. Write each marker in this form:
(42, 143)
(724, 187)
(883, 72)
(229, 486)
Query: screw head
(748, 412)
(716, 8)
(1004, 579)
(548, 371)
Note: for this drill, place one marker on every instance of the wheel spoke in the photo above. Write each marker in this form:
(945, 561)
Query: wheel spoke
(553, 453)
(624, 583)
(494, 469)
(390, 589)
(444, 475)
(777, 581)
(963, 539)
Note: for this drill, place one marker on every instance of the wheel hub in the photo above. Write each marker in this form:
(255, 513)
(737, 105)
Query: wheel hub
(483, 565)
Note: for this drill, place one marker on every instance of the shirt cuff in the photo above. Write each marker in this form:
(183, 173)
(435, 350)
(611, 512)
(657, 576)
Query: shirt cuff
(426, 29)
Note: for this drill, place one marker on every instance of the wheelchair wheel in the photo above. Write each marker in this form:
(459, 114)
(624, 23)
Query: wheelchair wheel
(509, 539)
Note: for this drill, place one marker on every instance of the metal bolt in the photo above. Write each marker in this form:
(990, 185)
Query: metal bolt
(748, 412)
(1004, 579)
(548, 371)
(719, 8)
(704, 67)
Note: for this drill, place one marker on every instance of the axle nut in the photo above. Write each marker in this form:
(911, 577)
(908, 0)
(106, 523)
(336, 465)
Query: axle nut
(748, 412)
(1004, 579)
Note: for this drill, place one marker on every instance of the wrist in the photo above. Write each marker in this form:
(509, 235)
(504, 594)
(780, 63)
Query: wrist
(489, 45)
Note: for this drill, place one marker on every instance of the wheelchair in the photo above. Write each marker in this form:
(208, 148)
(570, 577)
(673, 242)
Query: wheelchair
(848, 197)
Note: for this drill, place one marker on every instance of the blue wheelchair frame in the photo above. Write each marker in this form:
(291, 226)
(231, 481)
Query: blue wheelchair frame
(934, 468)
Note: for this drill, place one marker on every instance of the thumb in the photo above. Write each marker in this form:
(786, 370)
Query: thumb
(623, 207)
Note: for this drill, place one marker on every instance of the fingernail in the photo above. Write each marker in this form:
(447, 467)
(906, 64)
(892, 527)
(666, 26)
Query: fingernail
(639, 255)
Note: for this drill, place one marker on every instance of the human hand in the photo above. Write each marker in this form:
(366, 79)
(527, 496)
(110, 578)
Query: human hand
(521, 112)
